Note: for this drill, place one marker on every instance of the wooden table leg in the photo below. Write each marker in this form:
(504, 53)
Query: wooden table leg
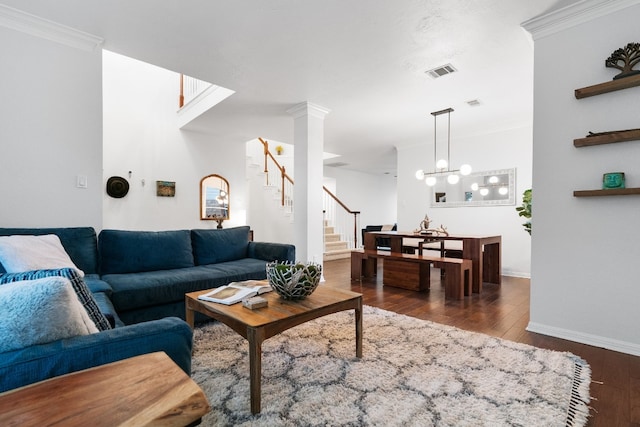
(396, 244)
(472, 249)
(369, 241)
(357, 262)
(359, 329)
(255, 339)
(491, 263)
(369, 267)
(189, 315)
(454, 281)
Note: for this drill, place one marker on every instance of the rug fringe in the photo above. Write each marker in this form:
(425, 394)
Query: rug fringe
(578, 411)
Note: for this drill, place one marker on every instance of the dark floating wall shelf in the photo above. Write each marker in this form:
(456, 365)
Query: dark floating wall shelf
(611, 192)
(608, 138)
(623, 83)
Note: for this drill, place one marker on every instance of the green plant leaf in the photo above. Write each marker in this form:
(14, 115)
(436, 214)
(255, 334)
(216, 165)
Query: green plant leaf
(524, 210)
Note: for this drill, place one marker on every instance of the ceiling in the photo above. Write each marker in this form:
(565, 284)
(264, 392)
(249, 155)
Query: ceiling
(365, 60)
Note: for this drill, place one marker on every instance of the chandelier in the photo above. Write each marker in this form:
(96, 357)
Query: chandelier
(442, 166)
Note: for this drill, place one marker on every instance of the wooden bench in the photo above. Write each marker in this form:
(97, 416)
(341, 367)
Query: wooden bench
(361, 266)
(412, 271)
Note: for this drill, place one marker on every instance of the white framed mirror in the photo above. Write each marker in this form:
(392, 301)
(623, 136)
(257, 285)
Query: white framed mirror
(486, 188)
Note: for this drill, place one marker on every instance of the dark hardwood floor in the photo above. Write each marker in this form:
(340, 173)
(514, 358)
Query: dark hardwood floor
(503, 311)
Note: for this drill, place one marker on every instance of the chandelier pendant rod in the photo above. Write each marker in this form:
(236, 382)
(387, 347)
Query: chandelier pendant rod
(435, 144)
(435, 114)
(449, 140)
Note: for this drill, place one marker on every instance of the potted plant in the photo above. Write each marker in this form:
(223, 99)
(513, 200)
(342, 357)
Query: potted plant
(524, 210)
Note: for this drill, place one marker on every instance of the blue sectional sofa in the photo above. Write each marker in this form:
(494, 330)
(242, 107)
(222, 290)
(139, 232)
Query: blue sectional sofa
(149, 272)
(138, 280)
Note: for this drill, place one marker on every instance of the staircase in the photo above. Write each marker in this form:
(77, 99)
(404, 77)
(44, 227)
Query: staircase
(340, 223)
(334, 248)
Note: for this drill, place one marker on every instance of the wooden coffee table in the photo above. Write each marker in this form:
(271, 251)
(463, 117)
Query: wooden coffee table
(263, 323)
(147, 390)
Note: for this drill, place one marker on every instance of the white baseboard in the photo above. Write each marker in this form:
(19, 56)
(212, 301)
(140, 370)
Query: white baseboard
(589, 339)
(523, 275)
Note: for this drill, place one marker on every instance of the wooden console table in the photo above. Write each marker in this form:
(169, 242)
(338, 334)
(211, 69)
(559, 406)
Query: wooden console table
(485, 252)
(147, 390)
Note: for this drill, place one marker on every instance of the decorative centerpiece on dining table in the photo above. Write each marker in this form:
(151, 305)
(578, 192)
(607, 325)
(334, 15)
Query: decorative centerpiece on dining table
(426, 230)
(294, 281)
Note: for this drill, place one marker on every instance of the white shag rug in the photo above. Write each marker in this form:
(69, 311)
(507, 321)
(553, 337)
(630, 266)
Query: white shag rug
(413, 373)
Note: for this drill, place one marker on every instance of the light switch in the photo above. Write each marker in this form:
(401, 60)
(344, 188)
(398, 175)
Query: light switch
(81, 181)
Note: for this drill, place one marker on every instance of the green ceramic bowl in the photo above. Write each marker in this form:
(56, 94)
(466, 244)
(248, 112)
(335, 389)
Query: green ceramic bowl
(294, 281)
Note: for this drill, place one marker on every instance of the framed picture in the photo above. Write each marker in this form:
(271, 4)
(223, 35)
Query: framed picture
(165, 188)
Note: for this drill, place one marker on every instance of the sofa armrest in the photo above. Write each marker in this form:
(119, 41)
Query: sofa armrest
(267, 251)
(40, 362)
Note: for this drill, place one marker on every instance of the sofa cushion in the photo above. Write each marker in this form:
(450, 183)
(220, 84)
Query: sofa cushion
(150, 288)
(82, 291)
(79, 242)
(27, 253)
(40, 311)
(139, 290)
(267, 251)
(213, 246)
(97, 285)
(108, 310)
(139, 251)
(239, 270)
(43, 361)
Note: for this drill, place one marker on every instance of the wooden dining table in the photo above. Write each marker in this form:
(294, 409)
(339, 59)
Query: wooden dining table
(485, 252)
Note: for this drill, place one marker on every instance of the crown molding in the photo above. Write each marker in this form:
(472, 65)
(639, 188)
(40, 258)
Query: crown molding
(33, 25)
(572, 15)
(308, 109)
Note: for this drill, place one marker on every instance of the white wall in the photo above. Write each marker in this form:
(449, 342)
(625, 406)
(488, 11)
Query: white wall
(584, 280)
(269, 220)
(141, 135)
(50, 132)
(510, 148)
(375, 196)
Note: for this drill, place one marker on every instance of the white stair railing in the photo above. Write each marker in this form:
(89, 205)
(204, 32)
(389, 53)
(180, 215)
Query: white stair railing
(190, 88)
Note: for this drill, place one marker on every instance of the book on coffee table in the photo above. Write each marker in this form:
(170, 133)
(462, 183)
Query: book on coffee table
(235, 292)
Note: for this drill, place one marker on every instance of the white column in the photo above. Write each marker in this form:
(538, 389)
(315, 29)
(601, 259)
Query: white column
(308, 140)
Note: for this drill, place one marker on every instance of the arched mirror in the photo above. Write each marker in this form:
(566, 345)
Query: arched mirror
(214, 198)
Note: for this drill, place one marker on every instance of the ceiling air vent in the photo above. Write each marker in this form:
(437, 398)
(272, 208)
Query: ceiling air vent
(474, 102)
(441, 71)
